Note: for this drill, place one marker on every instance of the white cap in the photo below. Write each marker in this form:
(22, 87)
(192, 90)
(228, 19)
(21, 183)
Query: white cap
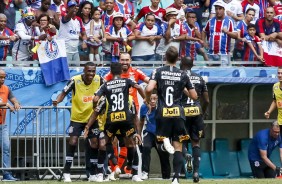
(118, 14)
(219, 3)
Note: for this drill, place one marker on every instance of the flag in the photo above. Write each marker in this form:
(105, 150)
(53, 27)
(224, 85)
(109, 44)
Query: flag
(272, 53)
(53, 61)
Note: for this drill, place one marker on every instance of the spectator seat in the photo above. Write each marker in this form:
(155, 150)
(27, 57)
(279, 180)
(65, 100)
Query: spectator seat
(244, 166)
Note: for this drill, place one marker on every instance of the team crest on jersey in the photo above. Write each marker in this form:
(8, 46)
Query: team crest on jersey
(160, 15)
(257, 163)
(51, 49)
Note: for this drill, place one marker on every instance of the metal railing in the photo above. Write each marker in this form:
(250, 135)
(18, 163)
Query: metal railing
(134, 63)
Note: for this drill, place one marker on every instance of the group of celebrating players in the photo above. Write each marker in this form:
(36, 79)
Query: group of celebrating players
(113, 112)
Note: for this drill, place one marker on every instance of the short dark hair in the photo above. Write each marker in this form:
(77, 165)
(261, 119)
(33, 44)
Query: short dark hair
(89, 64)
(251, 26)
(171, 54)
(186, 62)
(250, 9)
(116, 68)
(150, 14)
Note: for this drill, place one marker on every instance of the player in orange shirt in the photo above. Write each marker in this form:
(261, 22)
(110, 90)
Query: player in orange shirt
(129, 73)
(135, 75)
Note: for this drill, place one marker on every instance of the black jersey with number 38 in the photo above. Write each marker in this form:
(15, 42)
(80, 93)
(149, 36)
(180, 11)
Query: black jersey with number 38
(117, 92)
(171, 82)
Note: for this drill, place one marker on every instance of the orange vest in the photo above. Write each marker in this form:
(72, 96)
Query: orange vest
(4, 93)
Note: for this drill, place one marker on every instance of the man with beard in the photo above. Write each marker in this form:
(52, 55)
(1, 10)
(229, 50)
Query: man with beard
(83, 88)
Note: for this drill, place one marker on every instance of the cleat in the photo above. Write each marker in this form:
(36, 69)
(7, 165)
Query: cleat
(136, 178)
(117, 171)
(196, 178)
(189, 166)
(144, 175)
(168, 147)
(67, 177)
(112, 176)
(174, 181)
(127, 172)
(92, 178)
(100, 177)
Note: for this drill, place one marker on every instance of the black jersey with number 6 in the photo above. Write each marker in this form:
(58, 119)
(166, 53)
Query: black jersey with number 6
(171, 82)
(117, 92)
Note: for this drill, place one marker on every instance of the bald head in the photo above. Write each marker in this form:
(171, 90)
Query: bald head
(3, 16)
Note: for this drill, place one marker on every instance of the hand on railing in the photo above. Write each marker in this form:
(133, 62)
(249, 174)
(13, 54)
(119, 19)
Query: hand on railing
(55, 103)
(12, 109)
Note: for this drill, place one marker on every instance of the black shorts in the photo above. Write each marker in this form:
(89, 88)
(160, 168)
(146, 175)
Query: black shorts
(261, 170)
(173, 128)
(126, 128)
(195, 127)
(76, 129)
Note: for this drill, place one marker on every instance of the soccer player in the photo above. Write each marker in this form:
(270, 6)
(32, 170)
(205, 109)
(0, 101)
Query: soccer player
(277, 99)
(119, 116)
(260, 149)
(83, 88)
(171, 82)
(194, 113)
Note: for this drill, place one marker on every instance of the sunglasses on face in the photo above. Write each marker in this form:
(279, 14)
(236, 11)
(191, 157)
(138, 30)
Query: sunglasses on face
(30, 17)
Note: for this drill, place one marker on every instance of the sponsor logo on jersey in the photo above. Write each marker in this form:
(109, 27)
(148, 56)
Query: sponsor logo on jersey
(87, 99)
(191, 111)
(171, 112)
(118, 116)
(129, 132)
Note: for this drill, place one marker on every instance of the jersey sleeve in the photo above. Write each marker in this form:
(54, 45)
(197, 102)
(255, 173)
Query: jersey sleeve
(141, 75)
(205, 88)
(101, 91)
(101, 105)
(131, 82)
(69, 87)
(189, 84)
(141, 13)
(143, 111)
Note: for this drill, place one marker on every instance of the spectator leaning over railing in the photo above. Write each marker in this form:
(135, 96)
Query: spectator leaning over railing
(154, 8)
(71, 27)
(193, 40)
(6, 37)
(85, 12)
(28, 32)
(219, 30)
(252, 50)
(45, 5)
(5, 95)
(118, 38)
(269, 28)
(147, 34)
(242, 32)
(173, 31)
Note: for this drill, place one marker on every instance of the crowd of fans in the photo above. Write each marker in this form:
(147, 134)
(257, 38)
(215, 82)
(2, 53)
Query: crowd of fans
(233, 29)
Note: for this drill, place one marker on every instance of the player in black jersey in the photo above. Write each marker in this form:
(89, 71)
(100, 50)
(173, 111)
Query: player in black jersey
(119, 115)
(194, 113)
(171, 82)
